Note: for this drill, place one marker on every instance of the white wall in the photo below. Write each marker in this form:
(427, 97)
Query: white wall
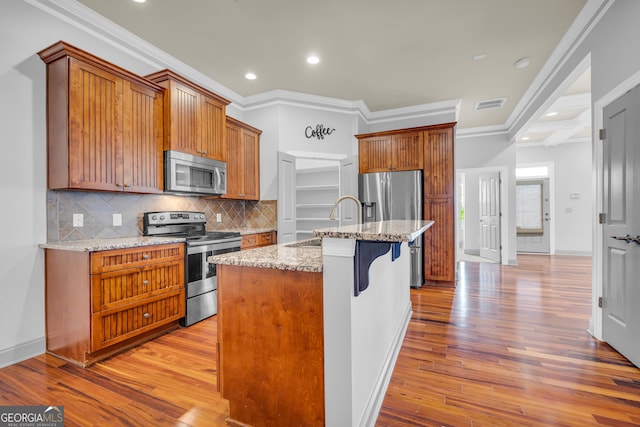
(283, 129)
(493, 152)
(25, 31)
(572, 174)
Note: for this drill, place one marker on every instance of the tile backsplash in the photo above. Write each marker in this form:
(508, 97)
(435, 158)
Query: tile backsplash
(98, 208)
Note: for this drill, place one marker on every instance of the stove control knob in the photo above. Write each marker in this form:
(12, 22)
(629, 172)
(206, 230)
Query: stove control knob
(154, 217)
(201, 216)
(161, 217)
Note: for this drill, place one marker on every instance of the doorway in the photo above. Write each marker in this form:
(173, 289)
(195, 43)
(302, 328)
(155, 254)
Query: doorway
(473, 211)
(533, 216)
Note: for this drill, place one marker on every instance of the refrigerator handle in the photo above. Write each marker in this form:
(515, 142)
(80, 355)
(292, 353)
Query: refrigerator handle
(387, 197)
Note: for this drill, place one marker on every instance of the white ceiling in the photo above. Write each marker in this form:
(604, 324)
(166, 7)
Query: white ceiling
(389, 54)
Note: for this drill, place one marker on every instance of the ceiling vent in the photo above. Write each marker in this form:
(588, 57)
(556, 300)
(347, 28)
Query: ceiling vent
(490, 103)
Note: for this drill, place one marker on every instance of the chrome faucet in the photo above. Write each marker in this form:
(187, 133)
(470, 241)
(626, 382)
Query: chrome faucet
(332, 215)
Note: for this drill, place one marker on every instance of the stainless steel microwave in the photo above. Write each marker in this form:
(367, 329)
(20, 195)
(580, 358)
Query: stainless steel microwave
(187, 174)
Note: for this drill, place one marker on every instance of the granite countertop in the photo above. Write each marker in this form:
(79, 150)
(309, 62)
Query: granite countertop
(244, 231)
(281, 257)
(383, 231)
(306, 255)
(94, 245)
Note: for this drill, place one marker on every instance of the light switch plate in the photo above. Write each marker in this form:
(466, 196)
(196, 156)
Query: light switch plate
(117, 220)
(78, 220)
(219, 217)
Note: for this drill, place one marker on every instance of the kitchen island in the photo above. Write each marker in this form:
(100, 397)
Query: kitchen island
(308, 332)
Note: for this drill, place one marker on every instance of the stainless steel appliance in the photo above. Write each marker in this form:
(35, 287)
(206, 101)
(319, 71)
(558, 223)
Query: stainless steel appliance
(395, 195)
(184, 173)
(200, 276)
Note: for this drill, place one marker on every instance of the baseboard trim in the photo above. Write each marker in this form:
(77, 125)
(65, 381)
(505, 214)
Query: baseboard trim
(374, 404)
(24, 351)
(574, 253)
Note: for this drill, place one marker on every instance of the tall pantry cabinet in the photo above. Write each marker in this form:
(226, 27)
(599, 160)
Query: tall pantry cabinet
(430, 149)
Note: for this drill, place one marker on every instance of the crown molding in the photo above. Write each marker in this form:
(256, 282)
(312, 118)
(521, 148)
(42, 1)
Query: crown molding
(481, 131)
(588, 17)
(87, 20)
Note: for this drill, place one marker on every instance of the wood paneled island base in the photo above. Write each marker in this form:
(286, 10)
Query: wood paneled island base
(271, 346)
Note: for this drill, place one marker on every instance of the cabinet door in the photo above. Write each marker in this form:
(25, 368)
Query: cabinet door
(184, 119)
(251, 165)
(234, 163)
(212, 128)
(439, 240)
(142, 145)
(95, 128)
(375, 154)
(438, 163)
(243, 163)
(407, 151)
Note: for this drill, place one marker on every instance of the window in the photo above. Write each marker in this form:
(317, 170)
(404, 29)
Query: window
(529, 217)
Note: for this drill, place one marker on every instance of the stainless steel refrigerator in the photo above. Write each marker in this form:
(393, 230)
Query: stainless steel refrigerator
(395, 195)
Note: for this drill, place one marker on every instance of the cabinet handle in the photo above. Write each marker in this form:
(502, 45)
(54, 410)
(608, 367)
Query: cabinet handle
(146, 315)
(205, 153)
(118, 185)
(145, 256)
(241, 195)
(145, 282)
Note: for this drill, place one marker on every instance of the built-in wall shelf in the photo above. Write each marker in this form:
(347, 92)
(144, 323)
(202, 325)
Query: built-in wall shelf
(316, 191)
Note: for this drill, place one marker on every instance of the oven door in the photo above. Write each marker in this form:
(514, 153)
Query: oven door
(201, 276)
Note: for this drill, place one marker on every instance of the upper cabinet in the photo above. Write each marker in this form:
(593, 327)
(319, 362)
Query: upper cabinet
(438, 162)
(104, 124)
(243, 160)
(390, 151)
(194, 118)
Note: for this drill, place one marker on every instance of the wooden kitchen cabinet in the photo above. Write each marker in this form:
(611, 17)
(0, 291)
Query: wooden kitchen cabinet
(430, 149)
(194, 117)
(243, 161)
(390, 151)
(250, 241)
(439, 181)
(104, 125)
(99, 303)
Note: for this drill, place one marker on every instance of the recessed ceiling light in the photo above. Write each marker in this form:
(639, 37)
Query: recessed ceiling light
(139, 1)
(479, 57)
(524, 138)
(250, 76)
(522, 63)
(551, 114)
(313, 59)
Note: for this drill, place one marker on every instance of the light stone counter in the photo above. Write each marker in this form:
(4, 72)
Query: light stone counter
(304, 255)
(383, 231)
(94, 245)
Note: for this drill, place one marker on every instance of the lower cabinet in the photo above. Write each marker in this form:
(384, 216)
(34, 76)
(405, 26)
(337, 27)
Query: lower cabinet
(257, 240)
(99, 303)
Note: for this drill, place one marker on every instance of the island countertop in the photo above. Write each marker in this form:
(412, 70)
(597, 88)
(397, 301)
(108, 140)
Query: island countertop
(382, 231)
(306, 255)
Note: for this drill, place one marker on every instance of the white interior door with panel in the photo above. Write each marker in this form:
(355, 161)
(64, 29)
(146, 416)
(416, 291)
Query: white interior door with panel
(621, 226)
(490, 246)
(286, 198)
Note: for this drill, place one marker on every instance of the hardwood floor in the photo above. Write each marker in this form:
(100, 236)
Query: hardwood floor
(507, 347)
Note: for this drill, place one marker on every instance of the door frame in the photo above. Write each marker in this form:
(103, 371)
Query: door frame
(552, 197)
(504, 201)
(595, 324)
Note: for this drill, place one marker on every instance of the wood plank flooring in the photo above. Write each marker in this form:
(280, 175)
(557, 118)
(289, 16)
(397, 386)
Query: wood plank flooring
(507, 347)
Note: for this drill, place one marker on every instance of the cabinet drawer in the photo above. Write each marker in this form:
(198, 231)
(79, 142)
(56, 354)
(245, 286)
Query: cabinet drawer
(127, 286)
(115, 325)
(266, 239)
(112, 260)
(249, 241)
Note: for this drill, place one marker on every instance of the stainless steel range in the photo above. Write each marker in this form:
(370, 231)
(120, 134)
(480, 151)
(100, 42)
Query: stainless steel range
(201, 281)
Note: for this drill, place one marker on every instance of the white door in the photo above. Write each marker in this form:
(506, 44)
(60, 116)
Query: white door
(490, 216)
(349, 186)
(621, 255)
(286, 198)
(532, 216)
